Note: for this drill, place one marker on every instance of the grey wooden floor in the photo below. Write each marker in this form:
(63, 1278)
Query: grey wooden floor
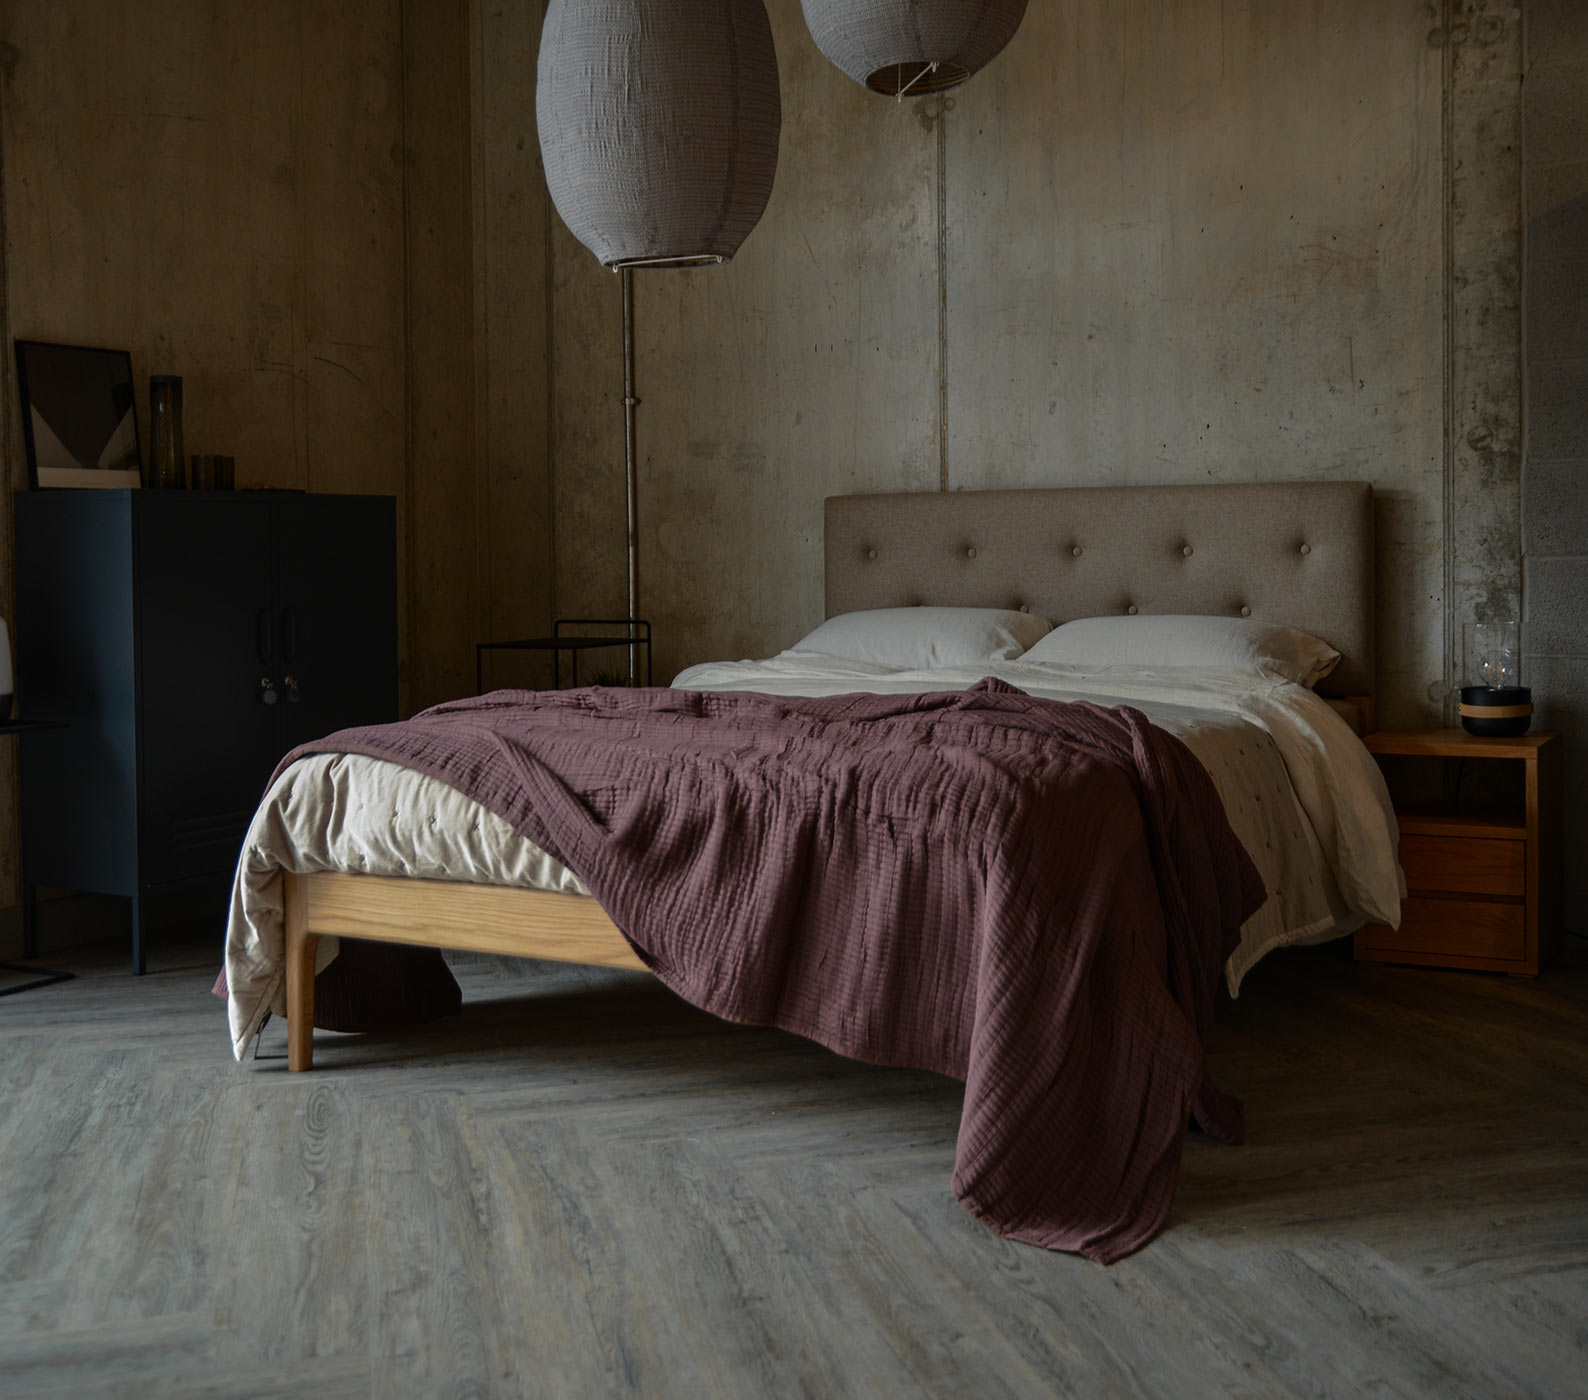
(580, 1187)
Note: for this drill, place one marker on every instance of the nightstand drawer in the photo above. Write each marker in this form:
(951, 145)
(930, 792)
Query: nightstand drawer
(1468, 928)
(1463, 865)
(1482, 858)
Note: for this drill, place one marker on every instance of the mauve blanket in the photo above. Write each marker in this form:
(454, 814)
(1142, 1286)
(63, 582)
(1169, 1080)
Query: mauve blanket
(1034, 897)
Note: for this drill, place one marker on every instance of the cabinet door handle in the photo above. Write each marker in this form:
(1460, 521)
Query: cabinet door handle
(262, 638)
(290, 685)
(289, 634)
(267, 690)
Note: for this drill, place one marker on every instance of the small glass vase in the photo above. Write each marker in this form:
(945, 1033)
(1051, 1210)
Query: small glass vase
(1494, 702)
(167, 464)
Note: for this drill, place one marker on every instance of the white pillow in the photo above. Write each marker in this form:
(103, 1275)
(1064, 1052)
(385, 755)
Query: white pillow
(1162, 640)
(923, 639)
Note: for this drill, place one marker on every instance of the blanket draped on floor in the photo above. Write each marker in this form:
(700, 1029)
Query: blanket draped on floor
(1036, 898)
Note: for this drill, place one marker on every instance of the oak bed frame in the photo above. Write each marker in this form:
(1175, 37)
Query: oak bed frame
(1298, 553)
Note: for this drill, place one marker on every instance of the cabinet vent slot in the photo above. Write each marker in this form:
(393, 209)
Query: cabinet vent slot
(194, 835)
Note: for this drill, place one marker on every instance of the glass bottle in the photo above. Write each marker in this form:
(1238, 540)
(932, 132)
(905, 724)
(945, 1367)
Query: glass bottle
(166, 462)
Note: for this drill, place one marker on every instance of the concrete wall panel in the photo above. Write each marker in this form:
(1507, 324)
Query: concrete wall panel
(1557, 604)
(590, 520)
(1192, 243)
(1557, 292)
(351, 180)
(1555, 500)
(1560, 698)
(803, 368)
(512, 331)
(218, 193)
(1484, 53)
(1208, 253)
(155, 202)
(1557, 391)
(1150, 242)
(442, 517)
(1555, 484)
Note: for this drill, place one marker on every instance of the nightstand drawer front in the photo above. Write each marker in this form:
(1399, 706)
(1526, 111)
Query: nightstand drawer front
(1468, 928)
(1461, 865)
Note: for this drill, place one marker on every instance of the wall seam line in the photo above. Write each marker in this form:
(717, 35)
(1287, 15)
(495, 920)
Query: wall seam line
(410, 525)
(1448, 292)
(942, 293)
(553, 596)
(1524, 360)
(476, 162)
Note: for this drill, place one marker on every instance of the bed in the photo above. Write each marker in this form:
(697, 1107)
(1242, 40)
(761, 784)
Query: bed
(1296, 554)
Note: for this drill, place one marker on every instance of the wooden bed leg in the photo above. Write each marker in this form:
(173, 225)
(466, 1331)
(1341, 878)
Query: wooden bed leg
(301, 945)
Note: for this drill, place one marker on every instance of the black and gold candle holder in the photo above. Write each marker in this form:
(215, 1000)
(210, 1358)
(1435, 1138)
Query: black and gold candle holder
(1496, 711)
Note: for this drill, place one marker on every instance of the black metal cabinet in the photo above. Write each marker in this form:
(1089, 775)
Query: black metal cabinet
(187, 640)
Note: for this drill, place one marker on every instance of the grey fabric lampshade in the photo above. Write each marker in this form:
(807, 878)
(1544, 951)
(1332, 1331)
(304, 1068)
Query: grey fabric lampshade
(890, 45)
(659, 123)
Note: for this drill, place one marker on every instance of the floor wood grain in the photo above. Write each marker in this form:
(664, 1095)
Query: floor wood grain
(580, 1187)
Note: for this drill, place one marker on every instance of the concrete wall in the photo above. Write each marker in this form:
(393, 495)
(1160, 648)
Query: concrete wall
(1151, 242)
(218, 189)
(513, 331)
(1555, 484)
(1155, 240)
(440, 482)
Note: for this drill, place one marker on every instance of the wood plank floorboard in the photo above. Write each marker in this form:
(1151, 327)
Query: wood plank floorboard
(580, 1187)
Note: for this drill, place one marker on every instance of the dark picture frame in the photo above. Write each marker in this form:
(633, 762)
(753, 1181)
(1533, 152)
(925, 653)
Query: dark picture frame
(79, 415)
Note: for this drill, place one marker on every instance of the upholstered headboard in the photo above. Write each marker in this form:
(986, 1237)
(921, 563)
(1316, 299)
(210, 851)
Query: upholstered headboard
(1294, 553)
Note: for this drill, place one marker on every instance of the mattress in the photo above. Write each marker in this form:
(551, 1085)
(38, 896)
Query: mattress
(1301, 792)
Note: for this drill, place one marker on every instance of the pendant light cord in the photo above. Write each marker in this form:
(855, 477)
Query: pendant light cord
(630, 403)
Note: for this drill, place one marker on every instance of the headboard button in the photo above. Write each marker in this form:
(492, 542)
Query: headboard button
(1076, 551)
(970, 553)
(1025, 607)
(1131, 610)
(1306, 549)
(871, 554)
(1186, 551)
(1246, 612)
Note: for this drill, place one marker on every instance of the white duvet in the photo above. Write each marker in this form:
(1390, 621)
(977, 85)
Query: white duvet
(1302, 794)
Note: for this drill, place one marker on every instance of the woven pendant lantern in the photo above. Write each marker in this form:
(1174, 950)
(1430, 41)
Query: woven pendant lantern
(909, 46)
(659, 123)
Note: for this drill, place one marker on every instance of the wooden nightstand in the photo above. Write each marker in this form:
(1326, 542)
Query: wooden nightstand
(1483, 874)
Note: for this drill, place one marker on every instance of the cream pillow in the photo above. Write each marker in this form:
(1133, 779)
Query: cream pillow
(1169, 640)
(923, 639)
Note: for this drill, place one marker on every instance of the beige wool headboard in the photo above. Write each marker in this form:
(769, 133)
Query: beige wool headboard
(1294, 553)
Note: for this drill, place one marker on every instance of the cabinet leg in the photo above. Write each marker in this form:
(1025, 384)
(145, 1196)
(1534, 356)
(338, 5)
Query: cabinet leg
(30, 921)
(42, 976)
(139, 964)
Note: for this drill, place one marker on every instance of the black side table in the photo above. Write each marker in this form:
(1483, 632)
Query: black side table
(42, 976)
(638, 634)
